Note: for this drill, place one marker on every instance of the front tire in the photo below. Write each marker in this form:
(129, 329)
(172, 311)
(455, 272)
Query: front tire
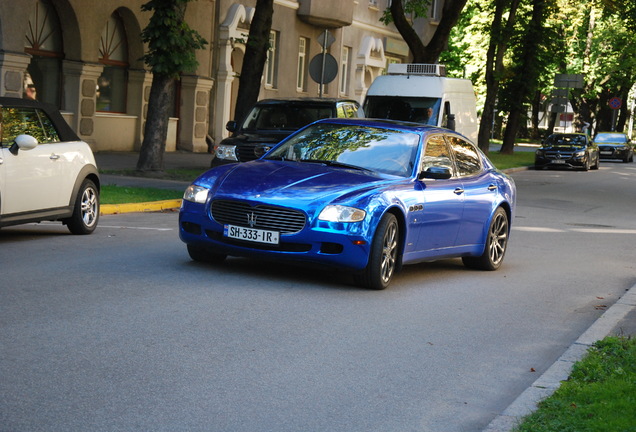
(86, 211)
(496, 244)
(383, 258)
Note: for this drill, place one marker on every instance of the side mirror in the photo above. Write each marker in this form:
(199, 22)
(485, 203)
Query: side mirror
(437, 173)
(23, 142)
(450, 123)
(231, 126)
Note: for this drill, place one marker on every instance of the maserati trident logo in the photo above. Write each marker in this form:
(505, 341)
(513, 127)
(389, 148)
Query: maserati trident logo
(251, 219)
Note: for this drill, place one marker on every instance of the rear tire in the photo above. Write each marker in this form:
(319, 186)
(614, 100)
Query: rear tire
(496, 244)
(383, 258)
(202, 254)
(86, 211)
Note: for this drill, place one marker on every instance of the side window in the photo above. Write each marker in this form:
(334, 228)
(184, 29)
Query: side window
(346, 110)
(340, 111)
(468, 161)
(30, 121)
(436, 154)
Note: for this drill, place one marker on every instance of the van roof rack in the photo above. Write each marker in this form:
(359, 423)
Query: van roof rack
(417, 69)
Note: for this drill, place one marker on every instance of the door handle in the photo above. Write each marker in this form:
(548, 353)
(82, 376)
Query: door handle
(492, 187)
(458, 191)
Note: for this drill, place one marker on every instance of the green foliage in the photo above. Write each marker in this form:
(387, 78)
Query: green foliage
(412, 8)
(599, 395)
(593, 38)
(171, 42)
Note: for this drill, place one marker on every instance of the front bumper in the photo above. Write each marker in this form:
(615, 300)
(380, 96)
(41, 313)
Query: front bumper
(572, 162)
(335, 245)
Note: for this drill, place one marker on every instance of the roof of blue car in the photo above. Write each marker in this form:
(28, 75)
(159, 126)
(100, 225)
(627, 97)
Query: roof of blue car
(384, 123)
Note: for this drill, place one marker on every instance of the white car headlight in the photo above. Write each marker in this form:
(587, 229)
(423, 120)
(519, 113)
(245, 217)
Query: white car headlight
(196, 194)
(227, 152)
(339, 213)
(579, 153)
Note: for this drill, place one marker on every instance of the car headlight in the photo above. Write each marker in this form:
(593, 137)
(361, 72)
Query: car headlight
(196, 194)
(579, 154)
(227, 152)
(540, 153)
(339, 213)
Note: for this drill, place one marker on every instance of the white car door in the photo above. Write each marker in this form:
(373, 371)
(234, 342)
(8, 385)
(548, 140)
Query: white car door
(31, 178)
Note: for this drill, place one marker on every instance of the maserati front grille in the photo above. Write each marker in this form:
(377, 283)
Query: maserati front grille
(281, 219)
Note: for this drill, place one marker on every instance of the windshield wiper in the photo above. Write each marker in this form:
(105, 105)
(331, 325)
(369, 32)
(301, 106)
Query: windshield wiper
(332, 163)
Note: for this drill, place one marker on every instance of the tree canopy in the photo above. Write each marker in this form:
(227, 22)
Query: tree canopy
(595, 39)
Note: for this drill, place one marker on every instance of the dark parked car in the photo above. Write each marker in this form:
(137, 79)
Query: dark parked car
(271, 120)
(362, 195)
(567, 150)
(46, 172)
(615, 145)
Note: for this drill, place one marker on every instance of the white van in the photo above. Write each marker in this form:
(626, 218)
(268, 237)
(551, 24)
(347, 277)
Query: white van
(422, 93)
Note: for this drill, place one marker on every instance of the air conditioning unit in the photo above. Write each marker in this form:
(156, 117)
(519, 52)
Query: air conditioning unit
(417, 69)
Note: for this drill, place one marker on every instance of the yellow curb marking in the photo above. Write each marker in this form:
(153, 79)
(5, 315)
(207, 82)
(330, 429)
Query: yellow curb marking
(111, 209)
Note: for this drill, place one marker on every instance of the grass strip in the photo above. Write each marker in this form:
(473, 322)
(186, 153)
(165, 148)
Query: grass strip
(599, 396)
(112, 194)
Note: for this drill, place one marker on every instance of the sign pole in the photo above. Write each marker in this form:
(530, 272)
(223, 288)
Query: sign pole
(322, 71)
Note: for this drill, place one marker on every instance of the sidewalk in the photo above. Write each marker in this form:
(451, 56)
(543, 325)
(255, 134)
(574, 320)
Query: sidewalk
(618, 320)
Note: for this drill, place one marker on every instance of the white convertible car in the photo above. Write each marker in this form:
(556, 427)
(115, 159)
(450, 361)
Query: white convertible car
(46, 172)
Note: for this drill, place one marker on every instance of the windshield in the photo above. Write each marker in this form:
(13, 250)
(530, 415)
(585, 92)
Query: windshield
(369, 148)
(565, 140)
(610, 138)
(415, 109)
(285, 116)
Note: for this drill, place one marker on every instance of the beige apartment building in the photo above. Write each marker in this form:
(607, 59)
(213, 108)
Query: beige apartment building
(84, 56)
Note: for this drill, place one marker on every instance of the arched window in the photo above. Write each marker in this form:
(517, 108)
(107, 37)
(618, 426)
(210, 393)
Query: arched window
(113, 54)
(44, 43)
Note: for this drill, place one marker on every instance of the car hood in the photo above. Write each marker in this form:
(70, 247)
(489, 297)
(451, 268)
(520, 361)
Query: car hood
(298, 184)
(611, 144)
(269, 137)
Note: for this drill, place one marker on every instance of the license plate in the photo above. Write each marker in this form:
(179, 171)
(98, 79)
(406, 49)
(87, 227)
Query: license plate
(606, 152)
(251, 234)
(558, 161)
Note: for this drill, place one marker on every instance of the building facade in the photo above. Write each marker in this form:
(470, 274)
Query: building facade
(84, 56)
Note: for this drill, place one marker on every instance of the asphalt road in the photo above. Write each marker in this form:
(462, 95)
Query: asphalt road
(121, 331)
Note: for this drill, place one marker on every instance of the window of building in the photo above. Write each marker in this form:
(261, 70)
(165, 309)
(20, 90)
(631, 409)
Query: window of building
(271, 64)
(113, 54)
(43, 42)
(344, 70)
(435, 11)
(301, 73)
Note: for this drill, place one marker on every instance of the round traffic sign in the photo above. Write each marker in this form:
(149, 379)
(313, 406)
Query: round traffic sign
(324, 74)
(615, 103)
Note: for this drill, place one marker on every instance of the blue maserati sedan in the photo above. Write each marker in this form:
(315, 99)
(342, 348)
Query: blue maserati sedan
(362, 195)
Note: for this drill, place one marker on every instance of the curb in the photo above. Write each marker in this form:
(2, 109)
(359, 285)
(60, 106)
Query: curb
(551, 379)
(111, 209)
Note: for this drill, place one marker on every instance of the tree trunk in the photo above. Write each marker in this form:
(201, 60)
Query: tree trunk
(255, 58)
(510, 134)
(494, 65)
(427, 53)
(156, 130)
(527, 75)
(451, 11)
